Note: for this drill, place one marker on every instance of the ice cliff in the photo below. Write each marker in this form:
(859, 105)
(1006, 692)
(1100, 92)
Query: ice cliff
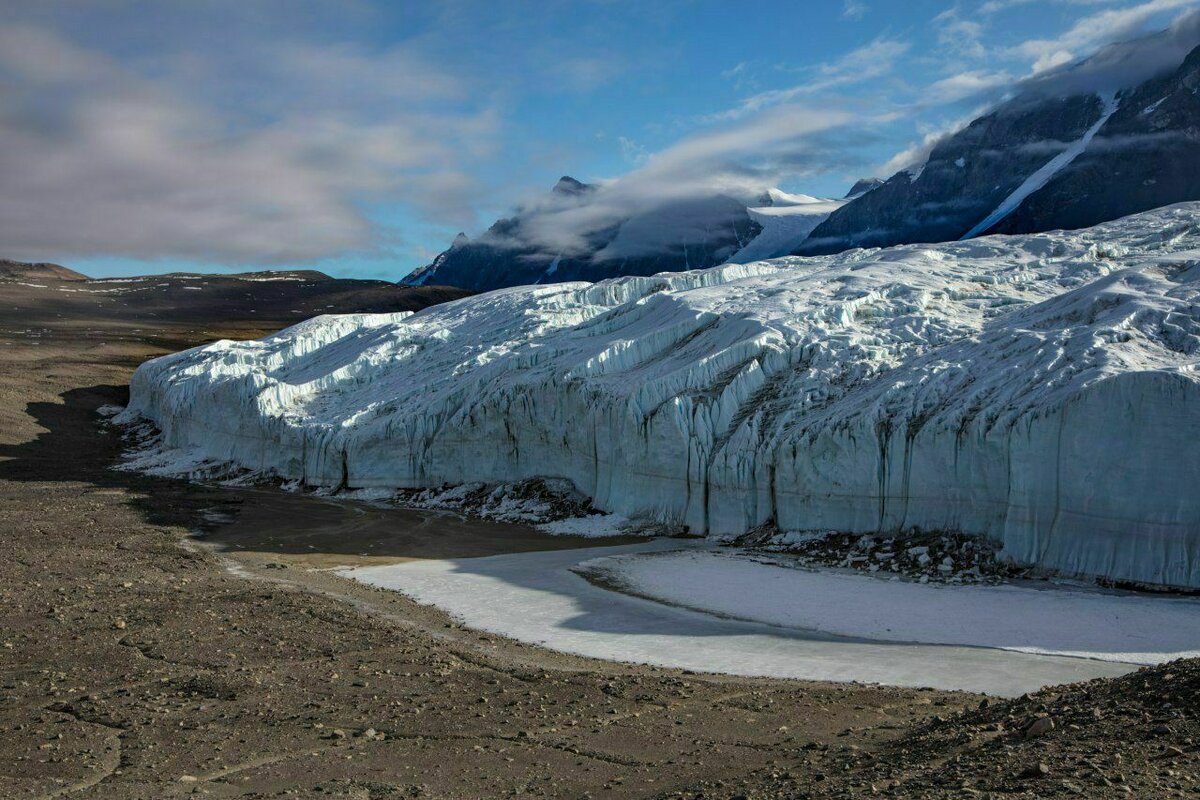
(1041, 390)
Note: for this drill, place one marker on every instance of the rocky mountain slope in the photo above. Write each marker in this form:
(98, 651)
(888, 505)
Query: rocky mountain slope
(1070, 151)
(951, 387)
(26, 271)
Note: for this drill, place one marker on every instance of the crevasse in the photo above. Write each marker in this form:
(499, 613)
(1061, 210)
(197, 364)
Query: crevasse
(1041, 390)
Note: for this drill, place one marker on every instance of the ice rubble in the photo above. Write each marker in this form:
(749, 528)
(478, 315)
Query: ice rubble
(1040, 390)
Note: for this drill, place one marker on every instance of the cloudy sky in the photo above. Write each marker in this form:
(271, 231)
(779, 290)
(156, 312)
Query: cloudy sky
(358, 137)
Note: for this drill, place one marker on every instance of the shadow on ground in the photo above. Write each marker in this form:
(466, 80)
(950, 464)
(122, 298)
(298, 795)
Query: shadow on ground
(76, 446)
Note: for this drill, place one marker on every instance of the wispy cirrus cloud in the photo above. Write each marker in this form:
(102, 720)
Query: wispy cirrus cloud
(854, 9)
(874, 60)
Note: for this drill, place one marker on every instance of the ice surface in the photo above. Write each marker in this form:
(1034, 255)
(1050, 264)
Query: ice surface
(1041, 390)
(537, 598)
(1028, 618)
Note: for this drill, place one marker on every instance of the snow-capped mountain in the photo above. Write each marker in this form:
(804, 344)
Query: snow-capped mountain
(1114, 135)
(1041, 390)
(571, 236)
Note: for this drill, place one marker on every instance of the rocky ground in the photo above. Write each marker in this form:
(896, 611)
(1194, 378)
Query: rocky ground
(138, 661)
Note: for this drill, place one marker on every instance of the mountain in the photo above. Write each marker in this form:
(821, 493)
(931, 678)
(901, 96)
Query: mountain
(862, 186)
(1072, 150)
(1038, 390)
(48, 294)
(576, 234)
(40, 271)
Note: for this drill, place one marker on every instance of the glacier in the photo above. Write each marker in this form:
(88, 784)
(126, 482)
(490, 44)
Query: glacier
(1039, 390)
(786, 223)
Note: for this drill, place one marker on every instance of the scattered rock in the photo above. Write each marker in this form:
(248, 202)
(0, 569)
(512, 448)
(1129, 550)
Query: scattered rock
(1040, 727)
(941, 556)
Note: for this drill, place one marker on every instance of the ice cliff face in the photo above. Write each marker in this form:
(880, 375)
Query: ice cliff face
(1041, 390)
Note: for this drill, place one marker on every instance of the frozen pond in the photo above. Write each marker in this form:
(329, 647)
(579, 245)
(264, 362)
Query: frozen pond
(539, 598)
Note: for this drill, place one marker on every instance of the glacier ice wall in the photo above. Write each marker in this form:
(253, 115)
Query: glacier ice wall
(1041, 390)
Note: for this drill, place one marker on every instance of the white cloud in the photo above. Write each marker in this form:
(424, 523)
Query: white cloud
(996, 6)
(918, 152)
(869, 62)
(631, 151)
(1122, 63)
(854, 9)
(740, 160)
(964, 85)
(100, 158)
(1092, 31)
(960, 35)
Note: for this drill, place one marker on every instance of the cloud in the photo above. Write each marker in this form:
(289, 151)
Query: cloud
(960, 36)
(854, 9)
(996, 6)
(1092, 31)
(739, 160)
(631, 151)
(918, 153)
(1056, 70)
(867, 63)
(254, 155)
(1120, 64)
(966, 85)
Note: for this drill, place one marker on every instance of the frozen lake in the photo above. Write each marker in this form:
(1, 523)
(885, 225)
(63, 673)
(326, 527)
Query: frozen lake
(695, 608)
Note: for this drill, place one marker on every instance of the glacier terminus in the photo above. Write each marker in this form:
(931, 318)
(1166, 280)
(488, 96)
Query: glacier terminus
(1040, 390)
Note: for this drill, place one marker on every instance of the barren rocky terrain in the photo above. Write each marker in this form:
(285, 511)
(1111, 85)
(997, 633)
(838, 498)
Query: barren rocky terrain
(141, 660)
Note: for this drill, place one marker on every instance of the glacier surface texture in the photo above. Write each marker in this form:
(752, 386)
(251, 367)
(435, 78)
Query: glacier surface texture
(1041, 390)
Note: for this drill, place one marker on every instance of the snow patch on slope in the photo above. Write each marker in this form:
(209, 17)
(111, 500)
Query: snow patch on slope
(1048, 170)
(1039, 390)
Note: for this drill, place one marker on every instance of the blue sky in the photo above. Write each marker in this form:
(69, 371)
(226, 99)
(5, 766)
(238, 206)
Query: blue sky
(359, 137)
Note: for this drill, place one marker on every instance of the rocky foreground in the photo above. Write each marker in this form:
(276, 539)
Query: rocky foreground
(135, 664)
(1135, 736)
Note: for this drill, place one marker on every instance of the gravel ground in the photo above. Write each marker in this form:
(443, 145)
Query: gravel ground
(139, 661)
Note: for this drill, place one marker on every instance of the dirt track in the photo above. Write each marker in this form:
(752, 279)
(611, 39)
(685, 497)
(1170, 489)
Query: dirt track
(138, 662)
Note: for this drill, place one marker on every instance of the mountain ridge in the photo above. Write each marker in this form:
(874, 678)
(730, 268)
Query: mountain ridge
(1106, 155)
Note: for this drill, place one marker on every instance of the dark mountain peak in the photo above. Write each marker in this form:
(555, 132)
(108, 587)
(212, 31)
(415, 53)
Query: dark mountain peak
(1192, 62)
(569, 186)
(863, 185)
(688, 233)
(460, 241)
(1069, 158)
